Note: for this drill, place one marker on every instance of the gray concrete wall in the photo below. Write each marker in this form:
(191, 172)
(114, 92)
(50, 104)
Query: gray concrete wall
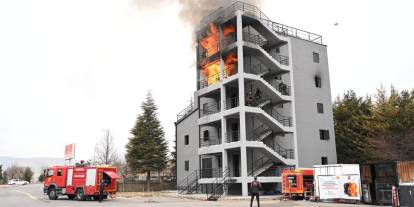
(307, 95)
(187, 126)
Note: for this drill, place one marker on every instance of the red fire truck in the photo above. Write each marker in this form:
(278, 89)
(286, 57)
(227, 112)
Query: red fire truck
(81, 182)
(297, 183)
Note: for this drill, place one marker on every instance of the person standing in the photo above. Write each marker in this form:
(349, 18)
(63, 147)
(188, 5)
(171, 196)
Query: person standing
(101, 190)
(255, 188)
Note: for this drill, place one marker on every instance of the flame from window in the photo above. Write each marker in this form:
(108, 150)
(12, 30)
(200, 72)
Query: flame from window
(210, 43)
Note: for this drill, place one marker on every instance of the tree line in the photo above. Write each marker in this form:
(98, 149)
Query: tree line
(15, 172)
(372, 128)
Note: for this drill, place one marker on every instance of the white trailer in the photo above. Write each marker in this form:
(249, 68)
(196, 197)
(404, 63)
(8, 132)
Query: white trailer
(334, 177)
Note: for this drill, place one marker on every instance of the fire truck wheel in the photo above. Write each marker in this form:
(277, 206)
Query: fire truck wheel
(52, 194)
(80, 195)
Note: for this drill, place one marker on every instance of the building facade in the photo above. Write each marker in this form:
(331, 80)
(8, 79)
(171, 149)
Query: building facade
(263, 104)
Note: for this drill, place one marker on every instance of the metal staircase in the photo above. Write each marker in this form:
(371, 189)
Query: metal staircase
(189, 184)
(261, 132)
(260, 165)
(220, 185)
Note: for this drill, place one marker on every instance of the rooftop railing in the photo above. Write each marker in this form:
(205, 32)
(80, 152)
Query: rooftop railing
(276, 27)
(185, 111)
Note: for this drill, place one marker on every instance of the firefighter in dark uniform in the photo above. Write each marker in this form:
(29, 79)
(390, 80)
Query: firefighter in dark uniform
(101, 190)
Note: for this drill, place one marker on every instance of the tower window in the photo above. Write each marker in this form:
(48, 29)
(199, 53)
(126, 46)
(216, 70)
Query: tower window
(318, 82)
(206, 135)
(316, 57)
(319, 106)
(324, 134)
(186, 140)
(324, 160)
(186, 165)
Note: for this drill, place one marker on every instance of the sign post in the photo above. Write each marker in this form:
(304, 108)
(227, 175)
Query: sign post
(70, 152)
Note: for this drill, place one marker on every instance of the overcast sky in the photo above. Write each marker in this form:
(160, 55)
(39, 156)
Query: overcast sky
(70, 69)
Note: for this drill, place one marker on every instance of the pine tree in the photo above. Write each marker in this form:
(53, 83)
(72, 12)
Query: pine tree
(28, 174)
(353, 126)
(147, 148)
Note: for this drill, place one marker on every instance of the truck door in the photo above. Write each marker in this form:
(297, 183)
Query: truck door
(60, 178)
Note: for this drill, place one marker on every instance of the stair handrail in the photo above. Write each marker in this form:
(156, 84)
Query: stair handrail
(259, 163)
(259, 68)
(285, 153)
(282, 119)
(188, 181)
(219, 183)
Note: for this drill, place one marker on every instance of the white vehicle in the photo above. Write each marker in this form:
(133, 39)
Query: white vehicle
(17, 182)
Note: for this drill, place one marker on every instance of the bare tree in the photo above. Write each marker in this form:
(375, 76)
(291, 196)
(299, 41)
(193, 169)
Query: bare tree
(105, 150)
(14, 172)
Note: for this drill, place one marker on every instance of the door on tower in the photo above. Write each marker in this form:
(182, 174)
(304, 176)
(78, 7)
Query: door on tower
(236, 166)
(207, 168)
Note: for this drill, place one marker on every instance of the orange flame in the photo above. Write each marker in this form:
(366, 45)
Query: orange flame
(228, 30)
(210, 43)
(230, 64)
(211, 72)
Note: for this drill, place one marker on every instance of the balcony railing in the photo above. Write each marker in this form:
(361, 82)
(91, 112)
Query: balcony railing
(232, 102)
(210, 141)
(209, 109)
(185, 111)
(232, 136)
(204, 81)
(211, 172)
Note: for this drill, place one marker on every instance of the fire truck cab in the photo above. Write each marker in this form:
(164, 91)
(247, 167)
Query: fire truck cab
(80, 183)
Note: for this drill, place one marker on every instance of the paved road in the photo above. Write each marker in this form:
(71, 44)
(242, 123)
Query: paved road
(32, 196)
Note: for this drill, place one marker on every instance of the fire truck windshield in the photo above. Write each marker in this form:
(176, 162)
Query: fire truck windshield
(49, 173)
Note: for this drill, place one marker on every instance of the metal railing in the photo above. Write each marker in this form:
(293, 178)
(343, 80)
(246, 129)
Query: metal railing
(210, 141)
(258, 164)
(254, 38)
(276, 171)
(258, 40)
(203, 82)
(283, 88)
(259, 69)
(209, 109)
(232, 136)
(232, 103)
(284, 120)
(185, 111)
(276, 27)
(285, 153)
(257, 132)
(219, 185)
(189, 183)
(284, 60)
(211, 172)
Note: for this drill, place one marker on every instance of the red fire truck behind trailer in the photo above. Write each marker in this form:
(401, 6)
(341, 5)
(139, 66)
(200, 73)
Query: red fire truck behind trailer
(79, 182)
(297, 183)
